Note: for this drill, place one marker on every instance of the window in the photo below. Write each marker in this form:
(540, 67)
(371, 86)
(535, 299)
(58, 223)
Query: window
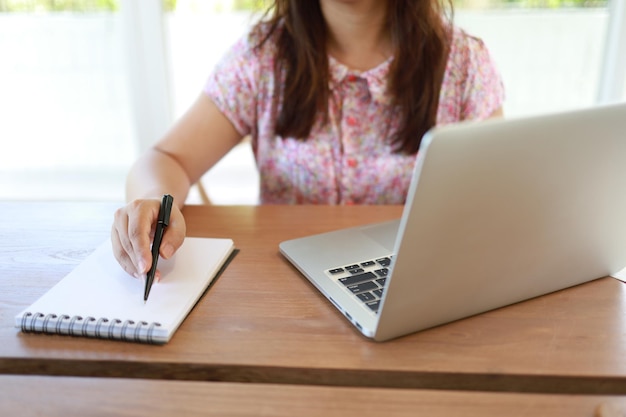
(549, 52)
(78, 105)
(66, 125)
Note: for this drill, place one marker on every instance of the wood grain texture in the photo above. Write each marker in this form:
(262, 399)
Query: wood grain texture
(262, 322)
(27, 396)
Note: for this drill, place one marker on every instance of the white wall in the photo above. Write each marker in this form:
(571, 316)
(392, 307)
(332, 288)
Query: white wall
(550, 60)
(63, 92)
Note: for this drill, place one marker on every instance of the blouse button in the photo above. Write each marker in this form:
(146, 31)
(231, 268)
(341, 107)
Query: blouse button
(352, 163)
(351, 78)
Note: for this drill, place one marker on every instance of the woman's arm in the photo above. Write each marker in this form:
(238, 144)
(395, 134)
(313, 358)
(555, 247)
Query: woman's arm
(499, 112)
(193, 145)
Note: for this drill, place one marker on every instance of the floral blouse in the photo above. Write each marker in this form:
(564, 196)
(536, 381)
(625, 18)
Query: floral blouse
(347, 160)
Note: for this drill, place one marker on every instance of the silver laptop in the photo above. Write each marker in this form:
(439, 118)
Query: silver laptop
(497, 212)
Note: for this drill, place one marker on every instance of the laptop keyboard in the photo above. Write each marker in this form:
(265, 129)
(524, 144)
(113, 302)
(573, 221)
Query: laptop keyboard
(366, 280)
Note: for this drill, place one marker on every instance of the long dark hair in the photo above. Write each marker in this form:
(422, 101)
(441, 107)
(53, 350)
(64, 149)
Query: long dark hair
(420, 37)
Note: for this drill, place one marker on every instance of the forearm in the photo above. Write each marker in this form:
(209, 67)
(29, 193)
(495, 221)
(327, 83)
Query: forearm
(157, 173)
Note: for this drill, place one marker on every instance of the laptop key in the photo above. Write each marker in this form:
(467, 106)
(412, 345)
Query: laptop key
(364, 286)
(335, 270)
(366, 296)
(355, 279)
(383, 272)
(384, 261)
(373, 305)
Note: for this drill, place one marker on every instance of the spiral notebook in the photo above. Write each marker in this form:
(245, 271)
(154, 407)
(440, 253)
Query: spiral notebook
(99, 299)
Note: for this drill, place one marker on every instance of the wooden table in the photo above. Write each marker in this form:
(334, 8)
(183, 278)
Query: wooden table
(27, 396)
(263, 322)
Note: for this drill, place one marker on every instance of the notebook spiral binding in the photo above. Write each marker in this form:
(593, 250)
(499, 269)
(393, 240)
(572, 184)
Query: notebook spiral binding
(103, 328)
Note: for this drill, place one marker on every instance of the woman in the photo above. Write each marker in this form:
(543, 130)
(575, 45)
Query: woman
(336, 96)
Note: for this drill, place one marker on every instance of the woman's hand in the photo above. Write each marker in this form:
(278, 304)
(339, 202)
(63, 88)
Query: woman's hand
(191, 147)
(133, 231)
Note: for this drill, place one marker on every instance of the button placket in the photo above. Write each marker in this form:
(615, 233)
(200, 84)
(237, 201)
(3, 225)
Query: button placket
(351, 131)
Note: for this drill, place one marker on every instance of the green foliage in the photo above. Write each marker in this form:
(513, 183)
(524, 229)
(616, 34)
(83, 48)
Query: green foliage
(169, 5)
(58, 5)
(250, 4)
(255, 5)
(533, 4)
(69, 5)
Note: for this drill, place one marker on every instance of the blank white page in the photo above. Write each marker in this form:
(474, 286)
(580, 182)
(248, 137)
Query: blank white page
(104, 301)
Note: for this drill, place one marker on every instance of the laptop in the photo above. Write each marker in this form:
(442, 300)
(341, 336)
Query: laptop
(497, 212)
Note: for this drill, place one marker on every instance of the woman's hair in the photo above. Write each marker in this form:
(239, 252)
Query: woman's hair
(420, 40)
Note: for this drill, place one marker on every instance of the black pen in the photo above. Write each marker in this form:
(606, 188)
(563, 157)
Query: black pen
(162, 222)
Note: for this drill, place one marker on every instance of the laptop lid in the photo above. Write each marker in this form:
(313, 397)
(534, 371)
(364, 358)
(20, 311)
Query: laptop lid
(498, 212)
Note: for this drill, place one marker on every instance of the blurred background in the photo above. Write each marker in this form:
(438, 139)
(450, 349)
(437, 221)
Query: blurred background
(86, 85)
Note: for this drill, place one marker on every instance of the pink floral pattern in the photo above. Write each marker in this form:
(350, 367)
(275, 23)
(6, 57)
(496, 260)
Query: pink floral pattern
(348, 160)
